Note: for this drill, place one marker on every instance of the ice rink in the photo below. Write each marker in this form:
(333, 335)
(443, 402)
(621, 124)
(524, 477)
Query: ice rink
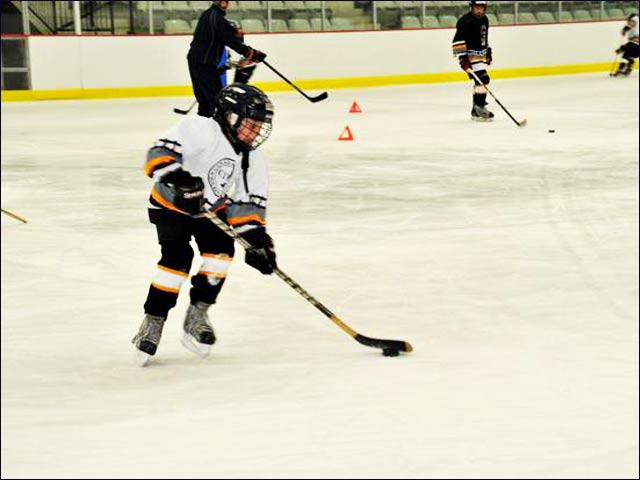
(508, 257)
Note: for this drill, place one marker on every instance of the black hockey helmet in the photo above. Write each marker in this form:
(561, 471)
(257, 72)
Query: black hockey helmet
(238, 102)
(474, 3)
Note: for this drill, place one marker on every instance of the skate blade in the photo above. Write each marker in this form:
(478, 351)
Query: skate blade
(141, 358)
(482, 120)
(191, 344)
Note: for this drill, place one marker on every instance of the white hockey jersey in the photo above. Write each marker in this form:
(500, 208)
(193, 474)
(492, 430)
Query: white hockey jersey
(198, 146)
(632, 28)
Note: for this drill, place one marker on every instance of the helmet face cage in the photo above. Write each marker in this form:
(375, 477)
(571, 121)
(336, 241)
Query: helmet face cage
(245, 115)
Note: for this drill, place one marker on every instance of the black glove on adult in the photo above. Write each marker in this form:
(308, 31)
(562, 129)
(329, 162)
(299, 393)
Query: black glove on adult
(261, 255)
(187, 190)
(489, 56)
(257, 56)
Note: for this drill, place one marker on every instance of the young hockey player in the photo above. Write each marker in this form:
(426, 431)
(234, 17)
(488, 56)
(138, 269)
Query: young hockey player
(471, 47)
(206, 164)
(629, 50)
(207, 55)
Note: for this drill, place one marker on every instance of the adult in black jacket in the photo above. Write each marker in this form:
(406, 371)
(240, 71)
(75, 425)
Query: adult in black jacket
(471, 46)
(207, 55)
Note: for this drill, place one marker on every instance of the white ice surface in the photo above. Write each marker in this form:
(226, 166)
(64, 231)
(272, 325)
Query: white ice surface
(508, 257)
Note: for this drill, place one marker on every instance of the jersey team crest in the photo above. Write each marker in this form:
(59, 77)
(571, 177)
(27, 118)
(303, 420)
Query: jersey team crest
(220, 174)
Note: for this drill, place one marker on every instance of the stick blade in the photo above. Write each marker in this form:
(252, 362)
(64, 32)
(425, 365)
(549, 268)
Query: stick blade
(319, 98)
(399, 345)
(522, 123)
(179, 111)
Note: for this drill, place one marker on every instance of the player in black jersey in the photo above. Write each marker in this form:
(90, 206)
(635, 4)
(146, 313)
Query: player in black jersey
(471, 46)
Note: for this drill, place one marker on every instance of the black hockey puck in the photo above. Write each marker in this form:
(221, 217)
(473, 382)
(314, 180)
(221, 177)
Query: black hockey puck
(552, 131)
(390, 352)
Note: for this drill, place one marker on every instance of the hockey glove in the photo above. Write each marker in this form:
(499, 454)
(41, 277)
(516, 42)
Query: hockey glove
(256, 56)
(187, 190)
(489, 57)
(619, 50)
(261, 255)
(465, 64)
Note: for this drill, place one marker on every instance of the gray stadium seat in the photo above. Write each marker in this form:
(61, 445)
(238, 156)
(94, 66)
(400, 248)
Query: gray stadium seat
(615, 13)
(409, 21)
(177, 26)
(250, 25)
(447, 21)
(299, 25)
(565, 16)
(431, 21)
(506, 18)
(316, 24)
(581, 15)
(278, 25)
(545, 17)
(341, 23)
(526, 17)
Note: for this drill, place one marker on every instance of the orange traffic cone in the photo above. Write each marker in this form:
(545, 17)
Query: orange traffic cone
(355, 108)
(346, 134)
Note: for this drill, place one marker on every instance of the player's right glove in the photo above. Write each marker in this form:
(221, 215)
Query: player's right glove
(187, 190)
(261, 255)
(489, 58)
(620, 49)
(465, 64)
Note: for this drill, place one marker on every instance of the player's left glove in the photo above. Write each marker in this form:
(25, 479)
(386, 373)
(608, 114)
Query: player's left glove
(256, 56)
(261, 255)
(619, 50)
(489, 56)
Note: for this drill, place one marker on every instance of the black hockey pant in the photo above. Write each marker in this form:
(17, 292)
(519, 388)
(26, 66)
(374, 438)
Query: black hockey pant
(174, 234)
(206, 83)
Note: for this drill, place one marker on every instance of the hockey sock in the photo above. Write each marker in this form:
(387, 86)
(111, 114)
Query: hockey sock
(480, 99)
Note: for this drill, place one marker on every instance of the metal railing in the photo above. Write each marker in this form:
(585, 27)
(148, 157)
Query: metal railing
(180, 17)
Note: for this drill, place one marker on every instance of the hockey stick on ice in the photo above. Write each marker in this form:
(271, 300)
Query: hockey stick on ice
(613, 69)
(185, 112)
(315, 99)
(389, 347)
(520, 123)
(13, 215)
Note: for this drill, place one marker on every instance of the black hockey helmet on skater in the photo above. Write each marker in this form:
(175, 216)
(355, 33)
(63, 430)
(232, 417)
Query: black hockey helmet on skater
(478, 3)
(239, 102)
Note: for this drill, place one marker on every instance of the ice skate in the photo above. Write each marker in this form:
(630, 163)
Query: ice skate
(148, 337)
(198, 334)
(481, 114)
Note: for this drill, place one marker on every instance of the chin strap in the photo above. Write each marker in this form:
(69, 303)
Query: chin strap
(245, 167)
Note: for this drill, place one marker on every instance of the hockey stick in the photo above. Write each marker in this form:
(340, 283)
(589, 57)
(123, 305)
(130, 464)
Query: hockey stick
(13, 215)
(389, 347)
(613, 69)
(520, 123)
(185, 112)
(614, 65)
(315, 99)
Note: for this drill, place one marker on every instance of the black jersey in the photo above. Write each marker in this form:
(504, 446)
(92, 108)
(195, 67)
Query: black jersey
(213, 33)
(472, 36)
